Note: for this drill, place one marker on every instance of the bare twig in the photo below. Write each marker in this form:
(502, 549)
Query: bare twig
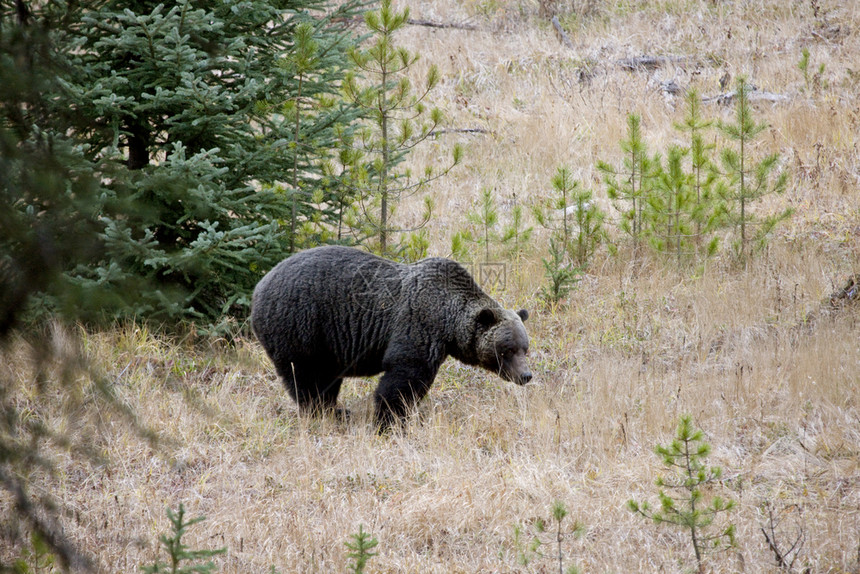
(784, 559)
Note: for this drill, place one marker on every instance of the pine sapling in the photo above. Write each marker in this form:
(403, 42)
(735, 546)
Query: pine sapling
(559, 513)
(562, 275)
(707, 209)
(682, 497)
(398, 120)
(673, 207)
(301, 62)
(575, 219)
(485, 219)
(182, 559)
(360, 550)
(483, 232)
(532, 551)
(516, 233)
(630, 186)
(747, 181)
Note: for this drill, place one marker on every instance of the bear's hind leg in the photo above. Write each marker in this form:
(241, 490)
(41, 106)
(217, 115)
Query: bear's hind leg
(314, 392)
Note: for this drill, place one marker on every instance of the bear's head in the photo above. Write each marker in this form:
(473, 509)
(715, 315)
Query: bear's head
(502, 343)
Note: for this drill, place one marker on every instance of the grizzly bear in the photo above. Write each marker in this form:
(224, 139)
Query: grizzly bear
(333, 312)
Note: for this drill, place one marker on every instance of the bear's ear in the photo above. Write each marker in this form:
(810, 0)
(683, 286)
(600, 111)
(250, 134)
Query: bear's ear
(487, 317)
(524, 314)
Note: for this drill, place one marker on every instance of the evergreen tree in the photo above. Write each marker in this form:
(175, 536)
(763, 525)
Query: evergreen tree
(706, 211)
(747, 181)
(673, 207)
(484, 232)
(50, 195)
(516, 233)
(575, 220)
(219, 114)
(398, 121)
(484, 219)
(684, 495)
(631, 185)
(49, 191)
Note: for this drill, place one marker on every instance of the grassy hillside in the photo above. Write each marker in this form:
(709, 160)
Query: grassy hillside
(756, 354)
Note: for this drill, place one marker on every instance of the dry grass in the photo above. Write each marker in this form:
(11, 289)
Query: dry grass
(632, 349)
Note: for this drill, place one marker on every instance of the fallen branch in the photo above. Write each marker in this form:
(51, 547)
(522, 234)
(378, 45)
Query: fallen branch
(650, 62)
(562, 35)
(459, 131)
(755, 95)
(443, 25)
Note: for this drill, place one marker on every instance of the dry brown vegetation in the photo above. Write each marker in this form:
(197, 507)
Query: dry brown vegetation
(774, 388)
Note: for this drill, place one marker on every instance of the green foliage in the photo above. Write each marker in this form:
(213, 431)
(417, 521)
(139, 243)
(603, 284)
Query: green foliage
(576, 230)
(747, 181)
(416, 246)
(182, 559)
(516, 233)
(483, 232)
(562, 275)
(678, 204)
(529, 552)
(38, 557)
(683, 495)
(398, 120)
(174, 129)
(630, 186)
(485, 219)
(673, 208)
(50, 196)
(706, 209)
(574, 218)
(812, 81)
(484, 229)
(360, 550)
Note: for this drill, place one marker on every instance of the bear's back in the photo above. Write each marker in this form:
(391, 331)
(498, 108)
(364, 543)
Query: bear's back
(330, 303)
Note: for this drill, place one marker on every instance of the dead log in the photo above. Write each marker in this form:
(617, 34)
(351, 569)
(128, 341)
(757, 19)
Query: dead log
(649, 62)
(562, 35)
(442, 25)
(755, 95)
(480, 131)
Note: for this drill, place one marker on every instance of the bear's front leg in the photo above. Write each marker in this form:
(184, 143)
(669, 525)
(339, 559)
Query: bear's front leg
(401, 387)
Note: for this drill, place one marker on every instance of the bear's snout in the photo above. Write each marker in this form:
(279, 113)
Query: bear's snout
(519, 376)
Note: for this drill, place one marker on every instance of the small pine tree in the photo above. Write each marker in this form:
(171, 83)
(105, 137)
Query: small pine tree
(573, 217)
(532, 551)
(516, 233)
(631, 186)
(360, 550)
(485, 220)
(813, 81)
(562, 275)
(747, 181)
(706, 210)
(673, 207)
(682, 499)
(483, 230)
(397, 121)
(182, 559)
